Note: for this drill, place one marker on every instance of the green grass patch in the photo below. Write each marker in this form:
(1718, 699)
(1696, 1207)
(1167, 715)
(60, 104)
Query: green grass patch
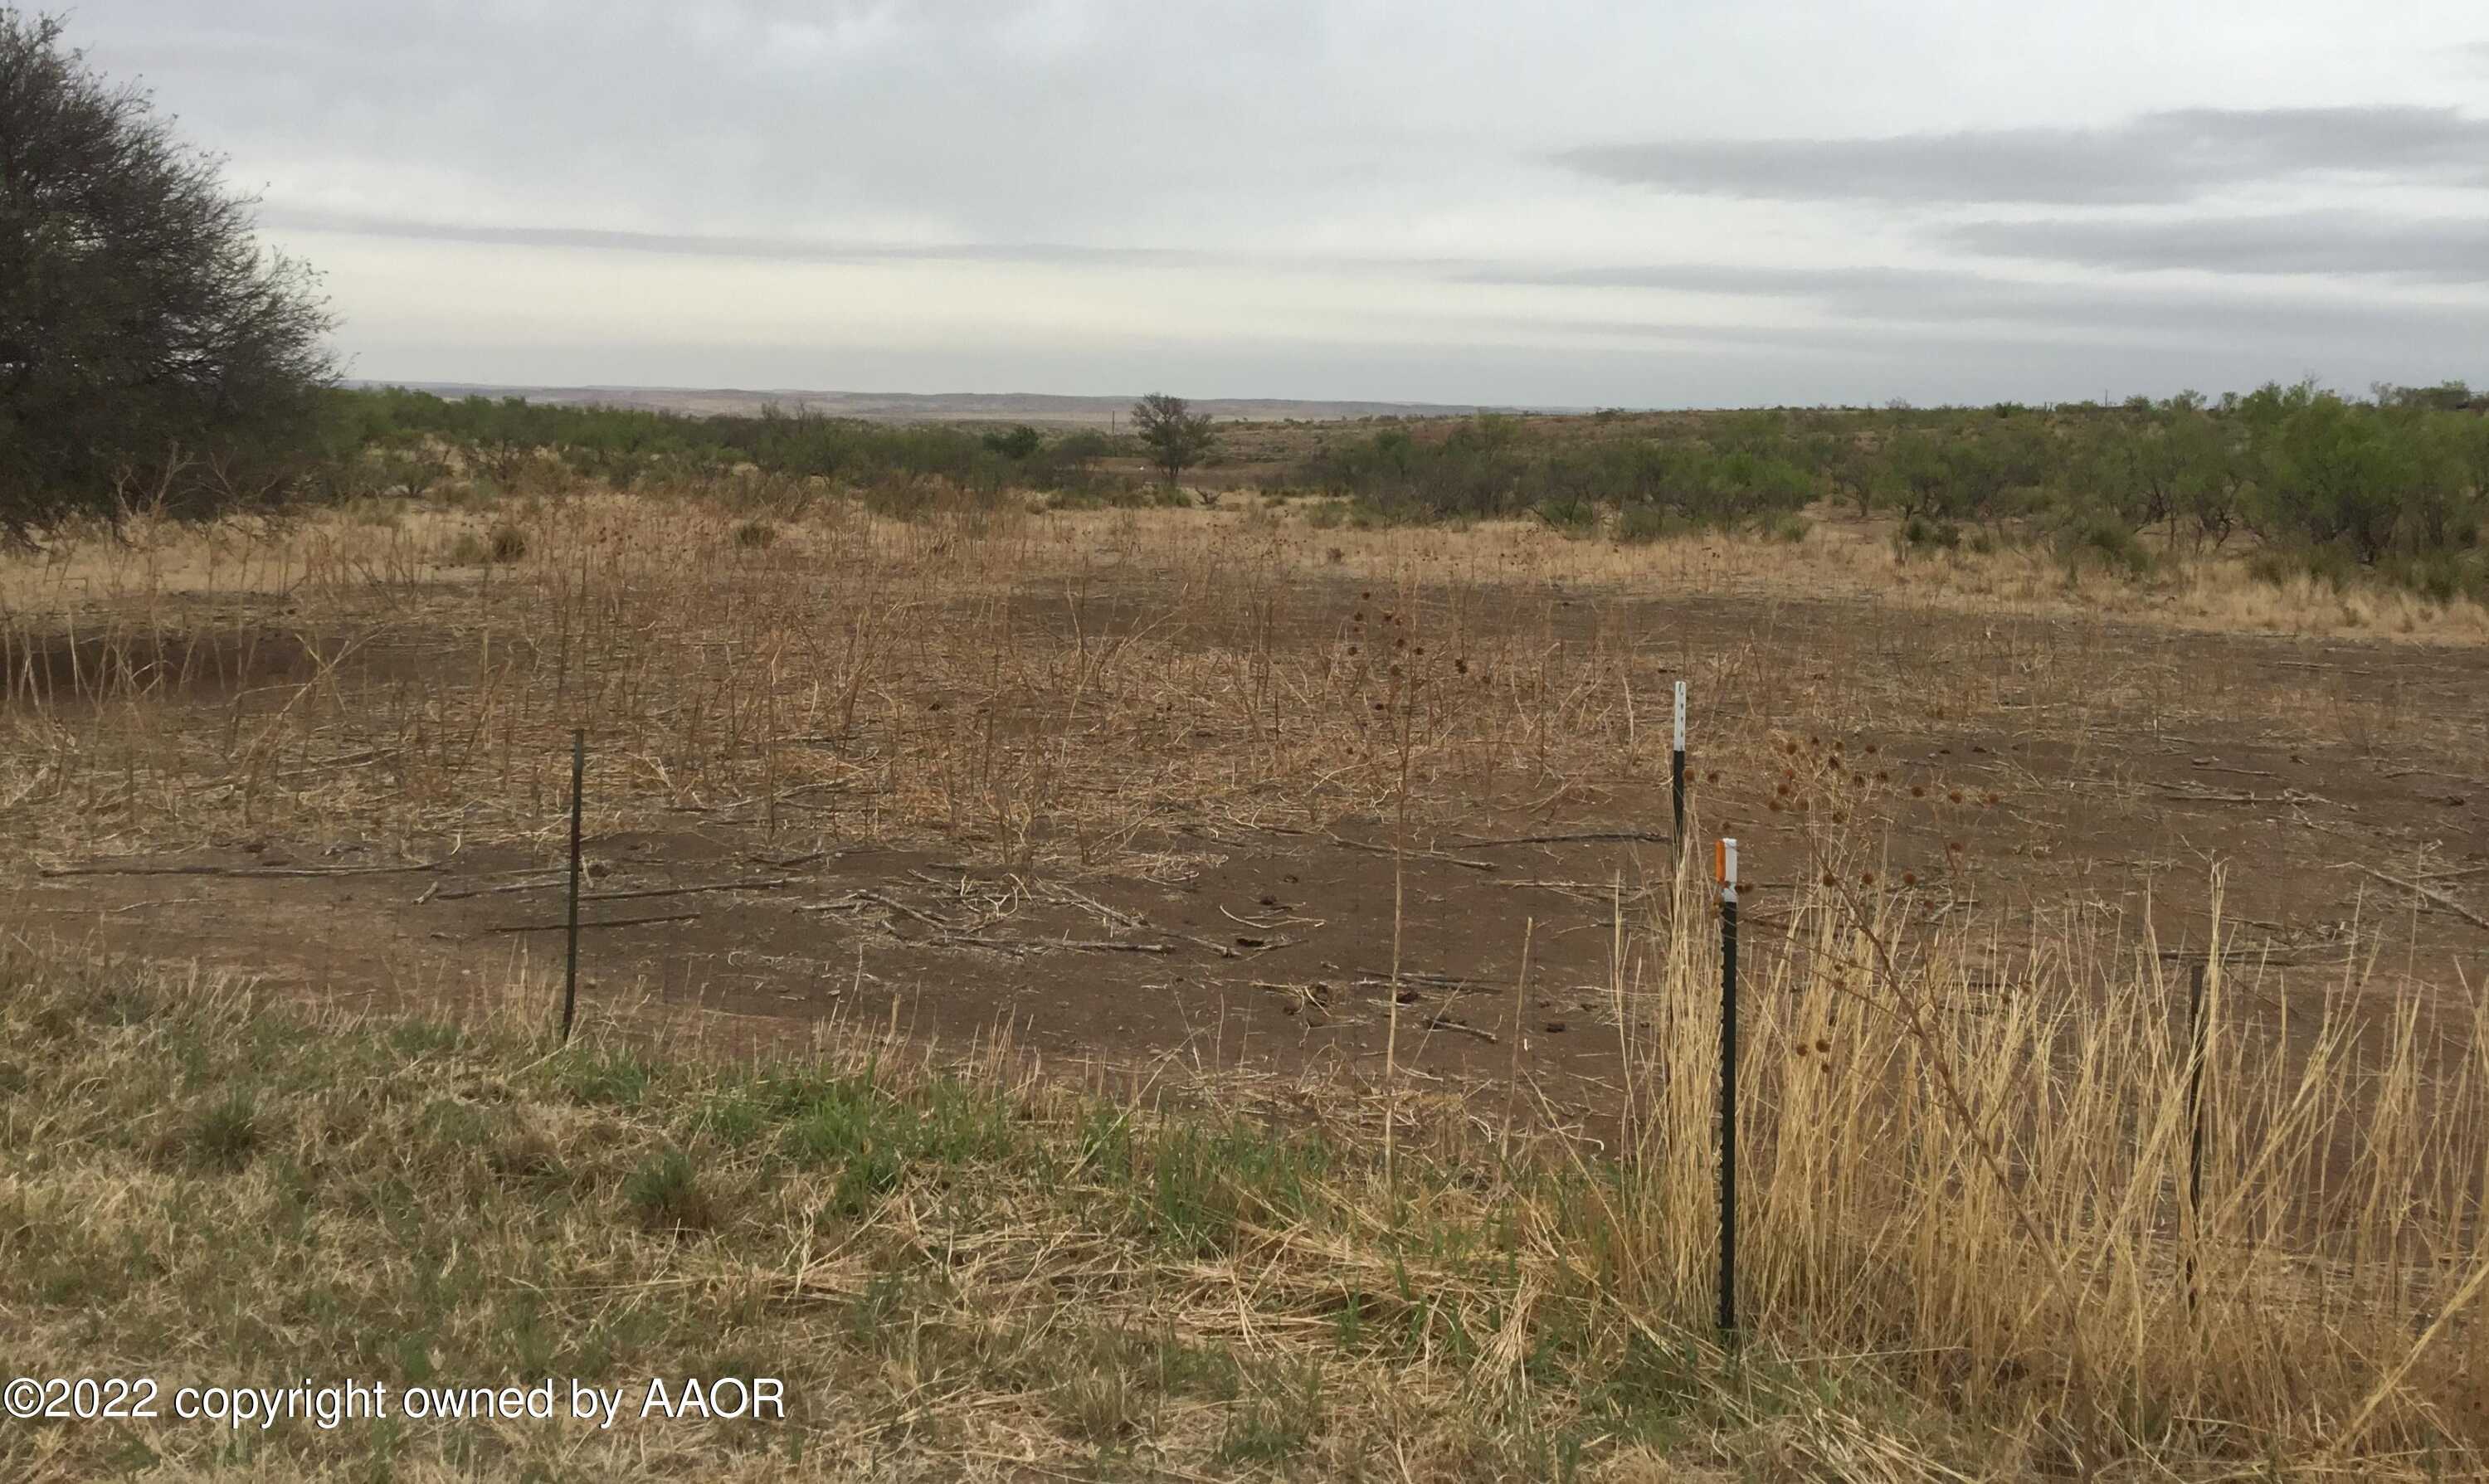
(939, 1269)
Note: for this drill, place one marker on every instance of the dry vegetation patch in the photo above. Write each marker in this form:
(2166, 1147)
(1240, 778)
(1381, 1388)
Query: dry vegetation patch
(1362, 832)
(961, 1271)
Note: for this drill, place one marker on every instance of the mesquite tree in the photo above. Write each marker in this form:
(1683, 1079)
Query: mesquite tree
(152, 354)
(1175, 435)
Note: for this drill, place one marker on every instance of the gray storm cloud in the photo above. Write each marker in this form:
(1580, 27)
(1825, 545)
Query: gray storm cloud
(2159, 158)
(2441, 249)
(1574, 203)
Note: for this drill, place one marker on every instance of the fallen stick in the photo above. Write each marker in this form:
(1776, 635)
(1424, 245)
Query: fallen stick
(1428, 855)
(1115, 917)
(635, 892)
(1031, 945)
(1439, 1021)
(1414, 977)
(1605, 889)
(1645, 836)
(790, 862)
(2210, 765)
(436, 895)
(2276, 956)
(353, 760)
(2208, 796)
(1245, 944)
(235, 870)
(2439, 898)
(611, 922)
(688, 890)
(2460, 778)
(895, 905)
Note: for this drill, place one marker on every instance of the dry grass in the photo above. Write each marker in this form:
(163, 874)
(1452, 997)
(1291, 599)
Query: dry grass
(1964, 1253)
(957, 1272)
(1973, 1161)
(1968, 1251)
(977, 672)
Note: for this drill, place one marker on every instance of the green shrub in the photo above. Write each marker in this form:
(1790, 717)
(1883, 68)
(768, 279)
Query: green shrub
(2391, 484)
(1571, 514)
(226, 1134)
(2442, 576)
(667, 1193)
(1018, 442)
(2103, 540)
(1647, 523)
(1919, 535)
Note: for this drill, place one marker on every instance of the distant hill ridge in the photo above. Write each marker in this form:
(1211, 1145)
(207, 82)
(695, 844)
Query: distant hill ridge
(941, 407)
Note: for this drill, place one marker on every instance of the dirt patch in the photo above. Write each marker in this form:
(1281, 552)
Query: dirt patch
(2094, 808)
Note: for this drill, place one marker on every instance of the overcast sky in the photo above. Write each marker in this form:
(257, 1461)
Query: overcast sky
(1551, 203)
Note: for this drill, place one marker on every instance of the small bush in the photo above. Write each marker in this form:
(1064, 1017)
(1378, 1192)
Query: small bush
(1364, 514)
(2441, 576)
(1571, 514)
(503, 543)
(226, 1134)
(1647, 523)
(756, 535)
(903, 500)
(2330, 565)
(1020, 442)
(2103, 541)
(1919, 533)
(665, 1191)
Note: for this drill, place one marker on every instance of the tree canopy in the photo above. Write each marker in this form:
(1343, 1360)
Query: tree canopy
(152, 353)
(1176, 435)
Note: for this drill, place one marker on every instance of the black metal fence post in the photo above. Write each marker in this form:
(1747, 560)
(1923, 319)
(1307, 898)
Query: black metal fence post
(2200, 1036)
(570, 969)
(1727, 867)
(1676, 784)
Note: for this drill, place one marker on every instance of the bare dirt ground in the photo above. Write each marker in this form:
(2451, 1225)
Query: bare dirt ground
(1176, 901)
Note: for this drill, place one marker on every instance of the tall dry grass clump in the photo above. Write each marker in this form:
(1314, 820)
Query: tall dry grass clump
(1972, 1159)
